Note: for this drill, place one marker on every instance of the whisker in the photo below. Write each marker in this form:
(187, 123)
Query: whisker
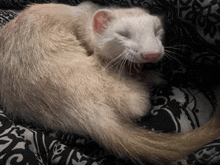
(130, 65)
(214, 52)
(112, 62)
(168, 58)
(116, 64)
(119, 67)
(136, 66)
(177, 46)
(122, 66)
(172, 47)
(173, 58)
(174, 53)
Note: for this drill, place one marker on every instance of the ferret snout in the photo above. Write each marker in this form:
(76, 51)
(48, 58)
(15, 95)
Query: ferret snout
(151, 50)
(151, 57)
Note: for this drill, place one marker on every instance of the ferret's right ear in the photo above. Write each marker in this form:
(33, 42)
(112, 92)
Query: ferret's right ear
(101, 20)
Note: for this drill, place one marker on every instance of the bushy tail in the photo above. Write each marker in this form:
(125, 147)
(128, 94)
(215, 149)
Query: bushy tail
(159, 148)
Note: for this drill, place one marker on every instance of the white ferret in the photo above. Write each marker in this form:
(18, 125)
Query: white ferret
(47, 77)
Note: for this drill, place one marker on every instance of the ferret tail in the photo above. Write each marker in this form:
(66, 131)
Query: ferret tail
(127, 139)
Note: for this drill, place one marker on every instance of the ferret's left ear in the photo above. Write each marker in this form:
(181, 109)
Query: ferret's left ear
(101, 20)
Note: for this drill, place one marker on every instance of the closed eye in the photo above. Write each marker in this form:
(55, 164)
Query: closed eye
(124, 34)
(159, 33)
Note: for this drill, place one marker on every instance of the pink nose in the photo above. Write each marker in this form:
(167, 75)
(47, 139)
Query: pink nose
(151, 57)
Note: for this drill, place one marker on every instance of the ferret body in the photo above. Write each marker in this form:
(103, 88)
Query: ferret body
(47, 77)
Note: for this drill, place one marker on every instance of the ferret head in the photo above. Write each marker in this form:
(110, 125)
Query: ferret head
(130, 34)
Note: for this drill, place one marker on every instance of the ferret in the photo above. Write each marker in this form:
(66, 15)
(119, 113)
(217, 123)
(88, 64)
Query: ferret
(71, 69)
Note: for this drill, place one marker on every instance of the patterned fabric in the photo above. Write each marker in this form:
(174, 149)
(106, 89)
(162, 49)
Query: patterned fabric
(20, 145)
(6, 17)
(20, 4)
(191, 66)
(174, 110)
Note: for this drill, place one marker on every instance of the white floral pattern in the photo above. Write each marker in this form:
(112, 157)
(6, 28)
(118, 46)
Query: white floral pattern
(193, 24)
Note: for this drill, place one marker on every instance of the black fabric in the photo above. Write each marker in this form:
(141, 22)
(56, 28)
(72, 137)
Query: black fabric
(191, 67)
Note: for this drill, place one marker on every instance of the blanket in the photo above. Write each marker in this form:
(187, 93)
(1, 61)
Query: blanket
(191, 67)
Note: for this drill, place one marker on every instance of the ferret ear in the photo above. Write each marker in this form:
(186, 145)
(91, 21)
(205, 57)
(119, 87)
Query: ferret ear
(101, 20)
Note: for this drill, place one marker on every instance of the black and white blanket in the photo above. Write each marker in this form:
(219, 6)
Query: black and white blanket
(192, 70)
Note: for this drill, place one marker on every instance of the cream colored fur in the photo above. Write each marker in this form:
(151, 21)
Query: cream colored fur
(47, 78)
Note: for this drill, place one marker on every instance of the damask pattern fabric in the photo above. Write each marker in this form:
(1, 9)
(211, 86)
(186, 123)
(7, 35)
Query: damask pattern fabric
(176, 109)
(20, 145)
(5, 17)
(191, 67)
